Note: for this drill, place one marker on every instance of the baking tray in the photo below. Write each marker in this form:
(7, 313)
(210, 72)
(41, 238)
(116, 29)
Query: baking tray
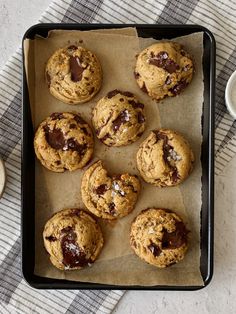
(207, 160)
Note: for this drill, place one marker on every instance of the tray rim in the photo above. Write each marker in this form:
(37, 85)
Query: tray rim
(64, 284)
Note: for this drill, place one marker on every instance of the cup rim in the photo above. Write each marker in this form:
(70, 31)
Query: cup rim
(228, 100)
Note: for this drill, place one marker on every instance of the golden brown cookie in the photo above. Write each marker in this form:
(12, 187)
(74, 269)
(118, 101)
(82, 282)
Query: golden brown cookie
(119, 118)
(64, 141)
(159, 237)
(163, 69)
(73, 239)
(165, 158)
(73, 74)
(109, 197)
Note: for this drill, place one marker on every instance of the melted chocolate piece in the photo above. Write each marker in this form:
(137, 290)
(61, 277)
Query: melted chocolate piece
(144, 88)
(51, 238)
(166, 148)
(78, 119)
(101, 189)
(55, 138)
(116, 177)
(105, 137)
(72, 47)
(48, 79)
(122, 118)
(168, 80)
(141, 118)
(73, 256)
(136, 75)
(75, 146)
(76, 69)
(155, 250)
(116, 91)
(127, 94)
(113, 93)
(175, 175)
(56, 116)
(58, 162)
(135, 104)
(91, 90)
(161, 60)
(85, 131)
(122, 99)
(178, 87)
(175, 239)
(73, 126)
(112, 209)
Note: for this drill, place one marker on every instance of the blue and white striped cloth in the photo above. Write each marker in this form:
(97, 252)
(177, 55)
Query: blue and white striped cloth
(15, 295)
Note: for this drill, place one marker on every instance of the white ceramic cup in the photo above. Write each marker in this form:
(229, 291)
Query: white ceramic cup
(230, 95)
(2, 177)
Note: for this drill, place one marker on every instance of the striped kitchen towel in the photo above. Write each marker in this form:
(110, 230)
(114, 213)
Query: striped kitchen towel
(15, 295)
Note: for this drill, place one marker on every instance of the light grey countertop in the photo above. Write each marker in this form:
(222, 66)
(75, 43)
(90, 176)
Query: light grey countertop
(220, 295)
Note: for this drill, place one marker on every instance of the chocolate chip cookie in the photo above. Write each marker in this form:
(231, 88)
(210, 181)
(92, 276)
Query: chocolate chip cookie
(159, 237)
(164, 158)
(64, 141)
(163, 69)
(106, 196)
(73, 74)
(73, 239)
(119, 118)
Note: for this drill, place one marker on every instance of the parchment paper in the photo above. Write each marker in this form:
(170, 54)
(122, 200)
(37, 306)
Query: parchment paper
(54, 191)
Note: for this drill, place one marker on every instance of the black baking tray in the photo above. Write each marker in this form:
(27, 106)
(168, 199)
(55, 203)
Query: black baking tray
(207, 159)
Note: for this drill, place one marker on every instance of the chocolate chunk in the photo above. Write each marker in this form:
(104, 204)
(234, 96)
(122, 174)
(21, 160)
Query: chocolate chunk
(72, 47)
(66, 229)
(116, 177)
(91, 91)
(116, 91)
(175, 175)
(101, 189)
(122, 99)
(160, 136)
(141, 118)
(113, 93)
(73, 256)
(161, 60)
(136, 75)
(112, 209)
(178, 87)
(56, 116)
(78, 119)
(155, 250)
(105, 137)
(122, 118)
(186, 67)
(76, 69)
(73, 126)
(175, 239)
(51, 238)
(168, 80)
(85, 131)
(58, 162)
(48, 79)
(55, 138)
(127, 94)
(144, 88)
(135, 104)
(75, 146)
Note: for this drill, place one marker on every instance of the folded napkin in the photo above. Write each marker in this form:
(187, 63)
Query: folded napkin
(15, 294)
